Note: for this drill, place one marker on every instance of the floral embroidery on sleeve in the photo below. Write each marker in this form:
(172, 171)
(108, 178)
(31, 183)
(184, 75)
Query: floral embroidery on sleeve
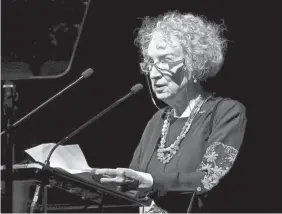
(216, 162)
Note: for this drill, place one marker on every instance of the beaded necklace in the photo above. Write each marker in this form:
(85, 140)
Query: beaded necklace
(166, 154)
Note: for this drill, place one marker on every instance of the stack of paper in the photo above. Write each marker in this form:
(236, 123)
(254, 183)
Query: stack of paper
(67, 157)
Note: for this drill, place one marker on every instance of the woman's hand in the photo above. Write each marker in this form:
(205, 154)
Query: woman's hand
(124, 176)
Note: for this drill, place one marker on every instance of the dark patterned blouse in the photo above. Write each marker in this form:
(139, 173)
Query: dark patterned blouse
(206, 154)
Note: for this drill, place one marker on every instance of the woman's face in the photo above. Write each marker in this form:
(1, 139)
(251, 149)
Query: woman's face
(166, 85)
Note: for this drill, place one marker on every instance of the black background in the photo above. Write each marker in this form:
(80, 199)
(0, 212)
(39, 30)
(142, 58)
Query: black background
(248, 75)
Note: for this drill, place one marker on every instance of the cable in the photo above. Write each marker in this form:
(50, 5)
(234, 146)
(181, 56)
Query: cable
(151, 94)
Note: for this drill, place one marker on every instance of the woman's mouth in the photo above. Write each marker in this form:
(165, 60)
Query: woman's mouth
(159, 87)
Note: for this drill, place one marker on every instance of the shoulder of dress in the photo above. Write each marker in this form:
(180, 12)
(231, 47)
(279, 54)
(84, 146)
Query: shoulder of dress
(224, 104)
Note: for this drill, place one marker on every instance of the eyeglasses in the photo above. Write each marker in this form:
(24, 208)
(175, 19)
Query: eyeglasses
(146, 67)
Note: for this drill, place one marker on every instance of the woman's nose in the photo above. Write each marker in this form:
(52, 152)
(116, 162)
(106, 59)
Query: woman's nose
(155, 73)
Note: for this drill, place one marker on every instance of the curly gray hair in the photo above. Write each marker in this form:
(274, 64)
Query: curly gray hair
(203, 45)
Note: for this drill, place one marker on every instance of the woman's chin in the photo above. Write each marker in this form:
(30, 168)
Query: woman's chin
(162, 96)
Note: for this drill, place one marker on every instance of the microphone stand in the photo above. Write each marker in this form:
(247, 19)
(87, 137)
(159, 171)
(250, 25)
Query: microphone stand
(40, 106)
(9, 110)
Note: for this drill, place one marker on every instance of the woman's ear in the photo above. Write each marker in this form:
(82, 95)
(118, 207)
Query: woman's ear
(187, 73)
(188, 67)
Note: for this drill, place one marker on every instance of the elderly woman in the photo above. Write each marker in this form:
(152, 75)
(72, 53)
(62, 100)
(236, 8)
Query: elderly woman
(193, 142)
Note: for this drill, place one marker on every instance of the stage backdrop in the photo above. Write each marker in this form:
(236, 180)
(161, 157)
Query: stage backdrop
(107, 47)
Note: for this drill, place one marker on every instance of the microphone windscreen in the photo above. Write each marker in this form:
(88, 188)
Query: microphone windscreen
(136, 88)
(87, 73)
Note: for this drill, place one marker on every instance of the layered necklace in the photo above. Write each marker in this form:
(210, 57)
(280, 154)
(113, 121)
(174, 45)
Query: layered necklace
(166, 154)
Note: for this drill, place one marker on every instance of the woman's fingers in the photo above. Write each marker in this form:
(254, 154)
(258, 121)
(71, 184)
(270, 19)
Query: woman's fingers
(106, 171)
(123, 176)
(118, 180)
(118, 175)
(130, 173)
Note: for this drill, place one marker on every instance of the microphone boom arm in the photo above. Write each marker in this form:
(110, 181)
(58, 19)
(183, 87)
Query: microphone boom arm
(85, 74)
(79, 129)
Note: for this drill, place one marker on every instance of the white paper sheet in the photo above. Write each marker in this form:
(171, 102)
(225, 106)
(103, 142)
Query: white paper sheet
(67, 157)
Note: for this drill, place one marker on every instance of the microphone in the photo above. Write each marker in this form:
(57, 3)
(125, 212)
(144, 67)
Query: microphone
(136, 88)
(87, 73)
